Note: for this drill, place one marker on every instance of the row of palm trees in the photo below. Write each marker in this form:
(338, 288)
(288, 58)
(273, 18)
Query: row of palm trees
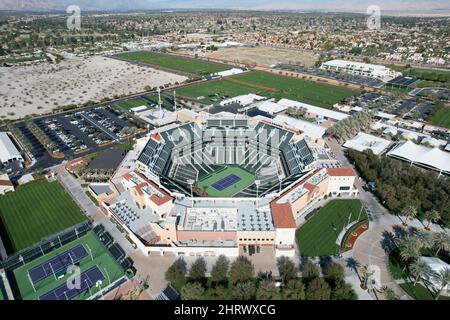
(410, 252)
(411, 212)
(347, 128)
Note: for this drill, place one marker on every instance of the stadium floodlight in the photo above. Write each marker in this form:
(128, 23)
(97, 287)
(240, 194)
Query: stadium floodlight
(257, 183)
(98, 285)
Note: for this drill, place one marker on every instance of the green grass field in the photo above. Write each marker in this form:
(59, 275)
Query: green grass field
(166, 102)
(133, 103)
(442, 117)
(101, 257)
(187, 65)
(37, 210)
(419, 292)
(247, 179)
(317, 236)
(270, 85)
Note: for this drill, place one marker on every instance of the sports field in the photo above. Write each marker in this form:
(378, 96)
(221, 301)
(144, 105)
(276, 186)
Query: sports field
(100, 257)
(227, 182)
(270, 85)
(133, 103)
(442, 117)
(317, 237)
(172, 62)
(37, 210)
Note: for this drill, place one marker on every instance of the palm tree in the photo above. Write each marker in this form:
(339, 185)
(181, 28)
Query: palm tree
(409, 212)
(432, 216)
(423, 239)
(366, 273)
(408, 252)
(443, 278)
(441, 242)
(418, 269)
(388, 293)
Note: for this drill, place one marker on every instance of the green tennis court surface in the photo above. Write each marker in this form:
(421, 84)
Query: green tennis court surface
(100, 257)
(216, 184)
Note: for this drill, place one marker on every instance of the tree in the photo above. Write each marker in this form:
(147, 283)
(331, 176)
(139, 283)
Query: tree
(418, 269)
(318, 289)
(432, 216)
(443, 280)
(388, 293)
(310, 271)
(343, 291)
(243, 291)
(409, 251)
(366, 273)
(198, 270)
(217, 293)
(267, 291)
(287, 269)
(192, 291)
(423, 239)
(441, 242)
(334, 271)
(176, 271)
(409, 212)
(219, 272)
(293, 290)
(241, 270)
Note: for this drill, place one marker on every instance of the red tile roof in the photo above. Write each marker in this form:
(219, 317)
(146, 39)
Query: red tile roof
(6, 183)
(341, 172)
(283, 216)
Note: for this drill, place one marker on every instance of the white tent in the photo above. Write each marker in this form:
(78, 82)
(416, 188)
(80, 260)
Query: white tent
(432, 158)
(436, 265)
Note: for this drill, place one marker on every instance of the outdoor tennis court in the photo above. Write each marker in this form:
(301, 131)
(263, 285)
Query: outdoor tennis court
(57, 264)
(227, 182)
(88, 279)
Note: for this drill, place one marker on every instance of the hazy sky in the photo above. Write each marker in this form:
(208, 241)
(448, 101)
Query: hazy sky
(332, 5)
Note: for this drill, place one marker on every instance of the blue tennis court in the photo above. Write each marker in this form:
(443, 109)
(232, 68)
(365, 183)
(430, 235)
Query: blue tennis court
(57, 264)
(226, 182)
(88, 279)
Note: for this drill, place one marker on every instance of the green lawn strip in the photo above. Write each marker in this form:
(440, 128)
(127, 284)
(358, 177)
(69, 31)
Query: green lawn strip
(133, 103)
(317, 236)
(247, 179)
(419, 292)
(166, 102)
(176, 63)
(442, 117)
(318, 94)
(102, 258)
(221, 88)
(37, 210)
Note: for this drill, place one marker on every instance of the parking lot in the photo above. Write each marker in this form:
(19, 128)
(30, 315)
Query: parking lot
(76, 133)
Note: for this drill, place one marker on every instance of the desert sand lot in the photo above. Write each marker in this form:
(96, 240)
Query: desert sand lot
(263, 56)
(41, 88)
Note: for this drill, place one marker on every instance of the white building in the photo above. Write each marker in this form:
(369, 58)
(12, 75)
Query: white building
(270, 107)
(8, 151)
(311, 130)
(364, 141)
(244, 100)
(320, 113)
(230, 72)
(361, 69)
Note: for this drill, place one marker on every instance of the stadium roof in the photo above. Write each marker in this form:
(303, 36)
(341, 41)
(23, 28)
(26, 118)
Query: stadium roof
(315, 110)
(8, 150)
(432, 158)
(311, 130)
(364, 141)
(271, 107)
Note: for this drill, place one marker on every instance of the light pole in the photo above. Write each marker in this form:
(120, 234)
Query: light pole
(257, 183)
(98, 285)
(191, 182)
